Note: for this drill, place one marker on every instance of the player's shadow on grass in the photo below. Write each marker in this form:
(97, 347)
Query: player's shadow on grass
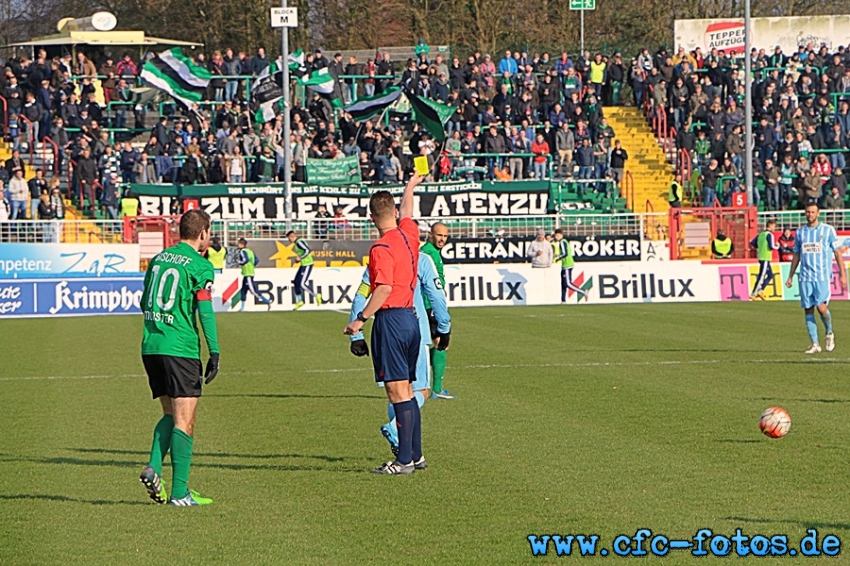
(828, 401)
(295, 396)
(804, 524)
(213, 454)
(65, 498)
(197, 464)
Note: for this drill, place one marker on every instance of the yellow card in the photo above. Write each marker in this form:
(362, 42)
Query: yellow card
(420, 165)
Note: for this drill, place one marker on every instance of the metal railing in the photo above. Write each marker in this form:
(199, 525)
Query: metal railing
(793, 219)
(62, 231)
(649, 226)
(459, 227)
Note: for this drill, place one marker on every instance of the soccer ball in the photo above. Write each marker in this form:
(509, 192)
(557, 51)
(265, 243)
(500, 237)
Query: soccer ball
(775, 422)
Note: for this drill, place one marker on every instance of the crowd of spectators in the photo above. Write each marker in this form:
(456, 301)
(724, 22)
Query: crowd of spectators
(801, 121)
(530, 115)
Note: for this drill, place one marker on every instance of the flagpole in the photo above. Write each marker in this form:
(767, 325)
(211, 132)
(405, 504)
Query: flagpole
(287, 146)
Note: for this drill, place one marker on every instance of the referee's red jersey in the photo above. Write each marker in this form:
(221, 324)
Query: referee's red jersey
(393, 260)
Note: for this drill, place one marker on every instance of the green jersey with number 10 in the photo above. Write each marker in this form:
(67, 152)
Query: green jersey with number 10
(169, 301)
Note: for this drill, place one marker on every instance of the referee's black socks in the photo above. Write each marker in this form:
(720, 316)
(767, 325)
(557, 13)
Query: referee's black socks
(405, 417)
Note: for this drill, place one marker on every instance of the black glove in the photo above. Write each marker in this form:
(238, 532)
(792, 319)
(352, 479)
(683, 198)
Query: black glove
(212, 369)
(359, 348)
(444, 340)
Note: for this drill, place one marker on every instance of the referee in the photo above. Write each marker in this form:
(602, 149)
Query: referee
(393, 261)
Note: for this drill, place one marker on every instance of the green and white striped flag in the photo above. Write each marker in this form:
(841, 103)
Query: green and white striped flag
(296, 64)
(369, 106)
(267, 92)
(179, 76)
(322, 82)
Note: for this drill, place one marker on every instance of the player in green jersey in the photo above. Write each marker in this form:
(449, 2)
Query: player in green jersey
(301, 282)
(437, 239)
(564, 255)
(178, 283)
(764, 244)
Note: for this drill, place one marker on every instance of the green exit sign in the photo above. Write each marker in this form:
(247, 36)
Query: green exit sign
(582, 4)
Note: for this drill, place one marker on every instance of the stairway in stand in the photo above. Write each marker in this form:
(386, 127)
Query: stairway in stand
(647, 162)
(86, 231)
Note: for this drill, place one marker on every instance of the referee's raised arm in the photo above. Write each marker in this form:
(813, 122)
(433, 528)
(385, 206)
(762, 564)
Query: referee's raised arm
(406, 206)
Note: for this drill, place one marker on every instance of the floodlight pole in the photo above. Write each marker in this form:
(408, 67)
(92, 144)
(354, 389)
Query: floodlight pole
(748, 107)
(582, 29)
(287, 146)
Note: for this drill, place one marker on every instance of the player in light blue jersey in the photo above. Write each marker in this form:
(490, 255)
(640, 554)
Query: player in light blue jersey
(428, 285)
(815, 246)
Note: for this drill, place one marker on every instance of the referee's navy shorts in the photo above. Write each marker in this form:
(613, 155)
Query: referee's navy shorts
(395, 344)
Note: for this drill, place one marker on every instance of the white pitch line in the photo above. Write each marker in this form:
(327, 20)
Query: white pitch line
(611, 364)
(484, 366)
(57, 377)
(129, 375)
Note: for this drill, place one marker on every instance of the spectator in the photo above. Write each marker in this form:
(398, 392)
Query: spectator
(773, 192)
(833, 200)
(540, 251)
(128, 159)
(43, 212)
(722, 247)
(352, 68)
(839, 181)
(109, 82)
(18, 190)
(508, 64)
(126, 68)
(235, 167)
(585, 161)
(597, 74)
(5, 207)
(259, 61)
(339, 222)
(811, 188)
(786, 245)
(709, 178)
(540, 149)
(109, 196)
(87, 175)
(84, 67)
(619, 156)
(57, 204)
(37, 186)
(322, 225)
(565, 145)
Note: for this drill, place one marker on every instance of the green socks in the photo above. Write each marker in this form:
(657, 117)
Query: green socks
(181, 460)
(161, 442)
(438, 363)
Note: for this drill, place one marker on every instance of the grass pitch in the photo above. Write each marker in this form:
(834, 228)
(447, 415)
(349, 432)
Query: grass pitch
(592, 420)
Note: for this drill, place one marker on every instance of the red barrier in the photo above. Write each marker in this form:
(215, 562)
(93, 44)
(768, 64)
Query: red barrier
(5, 116)
(44, 143)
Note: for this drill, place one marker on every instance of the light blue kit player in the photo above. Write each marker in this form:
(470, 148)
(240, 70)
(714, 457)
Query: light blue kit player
(815, 245)
(429, 285)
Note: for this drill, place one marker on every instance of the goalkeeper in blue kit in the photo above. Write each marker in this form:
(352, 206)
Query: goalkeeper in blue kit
(428, 285)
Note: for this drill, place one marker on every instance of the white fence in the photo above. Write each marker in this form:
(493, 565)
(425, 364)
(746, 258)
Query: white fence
(649, 226)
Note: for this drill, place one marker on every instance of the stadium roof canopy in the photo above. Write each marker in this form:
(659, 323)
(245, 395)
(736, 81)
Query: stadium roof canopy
(73, 37)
